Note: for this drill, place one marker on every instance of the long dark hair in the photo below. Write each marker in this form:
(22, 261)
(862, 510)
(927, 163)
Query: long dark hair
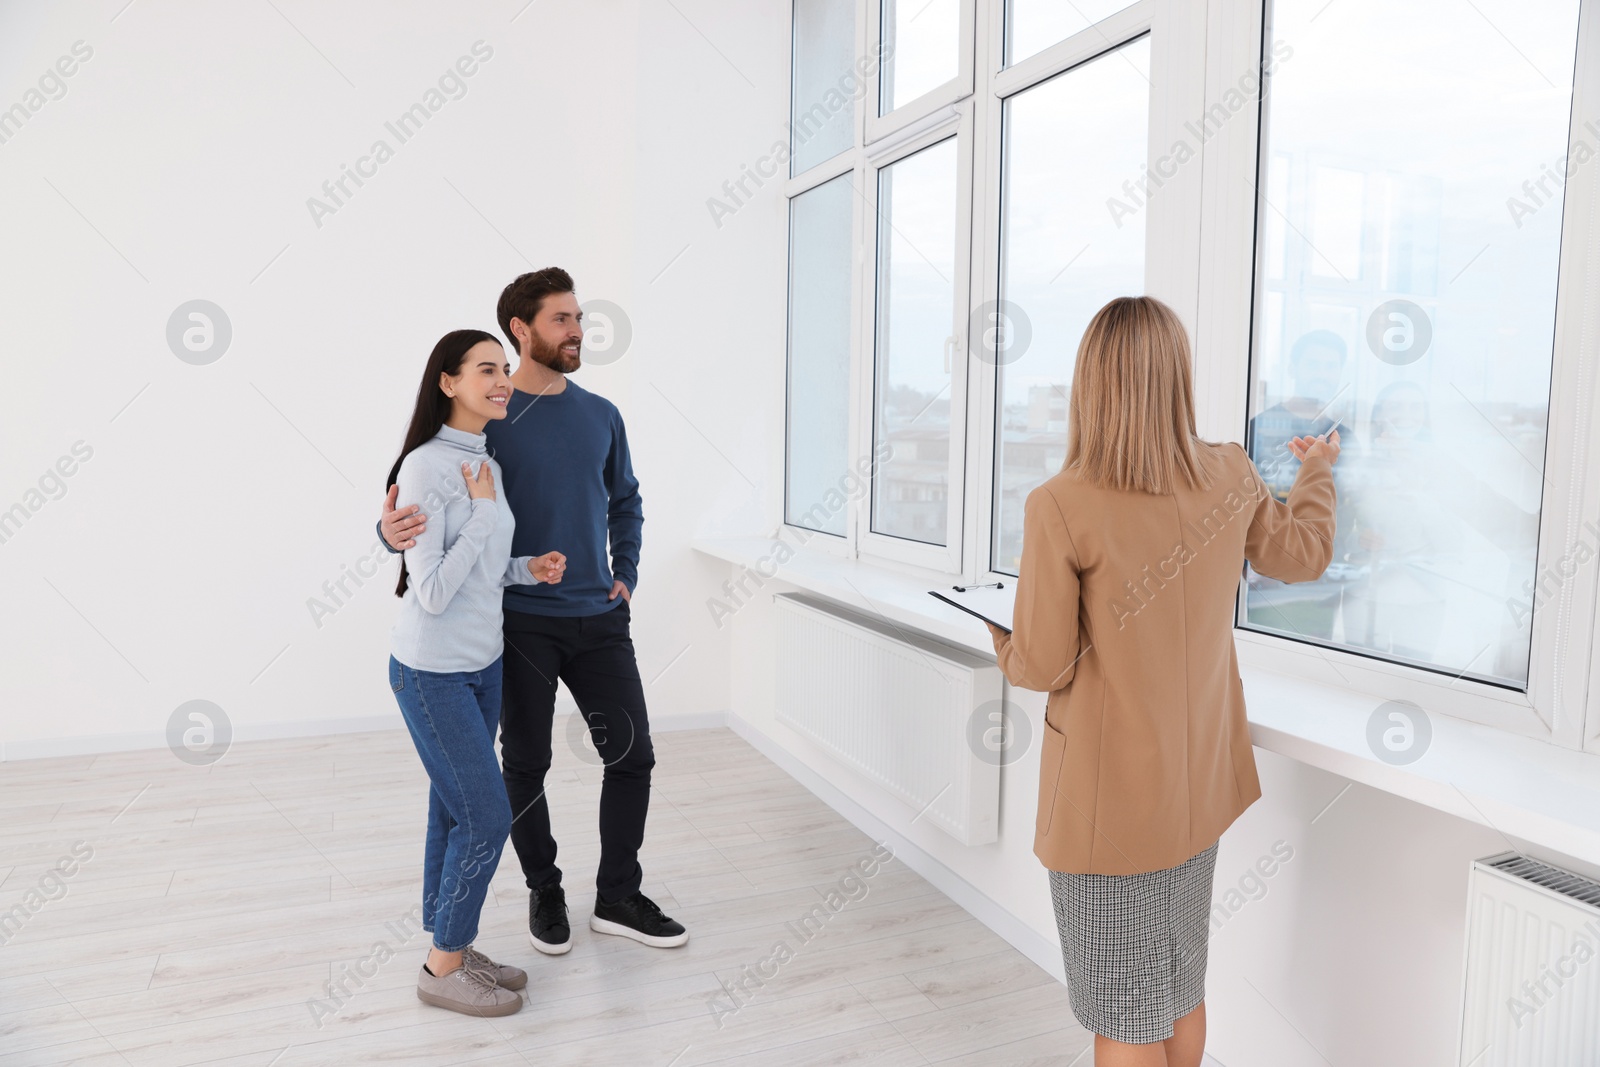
(433, 407)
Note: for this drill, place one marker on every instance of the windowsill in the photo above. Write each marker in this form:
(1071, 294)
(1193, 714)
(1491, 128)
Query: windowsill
(898, 595)
(1523, 788)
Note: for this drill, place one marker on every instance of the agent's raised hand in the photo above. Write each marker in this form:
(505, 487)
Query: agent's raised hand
(1326, 445)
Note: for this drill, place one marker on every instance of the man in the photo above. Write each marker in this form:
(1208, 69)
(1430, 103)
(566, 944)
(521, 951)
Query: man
(1318, 406)
(1316, 365)
(569, 481)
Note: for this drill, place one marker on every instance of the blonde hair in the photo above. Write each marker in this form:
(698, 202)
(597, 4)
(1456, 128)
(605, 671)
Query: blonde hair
(1131, 424)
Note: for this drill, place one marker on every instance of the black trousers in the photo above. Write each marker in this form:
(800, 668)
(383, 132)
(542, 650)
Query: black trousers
(594, 656)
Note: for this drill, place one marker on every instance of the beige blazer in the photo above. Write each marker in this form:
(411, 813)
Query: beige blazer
(1124, 615)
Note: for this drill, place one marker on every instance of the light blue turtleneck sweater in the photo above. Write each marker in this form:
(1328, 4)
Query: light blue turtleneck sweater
(450, 615)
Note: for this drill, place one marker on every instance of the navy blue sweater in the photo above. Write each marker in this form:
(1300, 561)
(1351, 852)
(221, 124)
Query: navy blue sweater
(569, 480)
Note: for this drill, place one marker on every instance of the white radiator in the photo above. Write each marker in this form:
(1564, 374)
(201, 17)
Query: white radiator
(898, 708)
(1533, 966)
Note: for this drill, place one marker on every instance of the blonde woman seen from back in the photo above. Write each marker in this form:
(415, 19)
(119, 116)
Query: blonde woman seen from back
(1131, 558)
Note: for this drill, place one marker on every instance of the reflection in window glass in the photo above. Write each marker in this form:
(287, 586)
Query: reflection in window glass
(819, 355)
(1069, 144)
(1034, 25)
(1409, 300)
(921, 48)
(822, 111)
(915, 347)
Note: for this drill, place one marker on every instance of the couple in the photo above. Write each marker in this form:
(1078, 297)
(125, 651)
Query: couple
(566, 485)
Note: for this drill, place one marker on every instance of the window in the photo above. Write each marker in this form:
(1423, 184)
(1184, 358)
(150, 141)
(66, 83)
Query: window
(821, 250)
(1063, 255)
(1034, 25)
(1380, 239)
(1405, 300)
(916, 344)
(927, 63)
(981, 206)
(922, 41)
(821, 111)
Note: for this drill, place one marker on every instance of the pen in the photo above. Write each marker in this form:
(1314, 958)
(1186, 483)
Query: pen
(990, 585)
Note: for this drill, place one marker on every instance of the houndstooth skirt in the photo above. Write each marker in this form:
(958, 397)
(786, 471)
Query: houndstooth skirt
(1135, 946)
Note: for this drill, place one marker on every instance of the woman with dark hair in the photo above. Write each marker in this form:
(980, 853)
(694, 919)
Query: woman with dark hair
(445, 662)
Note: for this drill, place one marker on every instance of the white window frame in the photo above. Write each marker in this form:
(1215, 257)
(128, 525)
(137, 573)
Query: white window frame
(875, 127)
(860, 106)
(953, 122)
(842, 165)
(1574, 677)
(1207, 215)
(1172, 230)
(849, 161)
(1560, 670)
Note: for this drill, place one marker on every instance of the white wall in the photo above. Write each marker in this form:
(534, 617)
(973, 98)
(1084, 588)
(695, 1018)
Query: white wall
(1347, 952)
(1354, 952)
(177, 562)
(1005, 875)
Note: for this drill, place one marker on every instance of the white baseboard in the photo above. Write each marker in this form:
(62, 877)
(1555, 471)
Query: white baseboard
(1019, 935)
(697, 720)
(101, 744)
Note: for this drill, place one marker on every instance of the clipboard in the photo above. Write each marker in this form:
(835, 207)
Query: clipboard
(988, 603)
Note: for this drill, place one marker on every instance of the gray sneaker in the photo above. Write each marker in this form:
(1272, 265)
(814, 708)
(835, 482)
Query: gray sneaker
(467, 990)
(505, 976)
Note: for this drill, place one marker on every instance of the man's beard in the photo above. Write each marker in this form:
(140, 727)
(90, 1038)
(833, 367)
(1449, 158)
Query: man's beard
(551, 356)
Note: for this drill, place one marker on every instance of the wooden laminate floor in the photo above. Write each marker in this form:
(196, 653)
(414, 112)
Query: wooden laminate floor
(217, 904)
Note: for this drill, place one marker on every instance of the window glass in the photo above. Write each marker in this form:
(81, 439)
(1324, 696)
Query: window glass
(1065, 250)
(1034, 25)
(817, 448)
(826, 82)
(915, 351)
(1406, 291)
(921, 48)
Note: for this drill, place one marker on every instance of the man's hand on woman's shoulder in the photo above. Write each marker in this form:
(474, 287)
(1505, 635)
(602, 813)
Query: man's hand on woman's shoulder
(401, 527)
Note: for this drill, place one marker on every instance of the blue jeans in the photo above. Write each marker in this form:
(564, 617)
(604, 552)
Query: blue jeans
(452, 718)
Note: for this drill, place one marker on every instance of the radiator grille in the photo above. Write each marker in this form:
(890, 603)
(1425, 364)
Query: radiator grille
(893, 706)
(1532, 989)
(1579, 888)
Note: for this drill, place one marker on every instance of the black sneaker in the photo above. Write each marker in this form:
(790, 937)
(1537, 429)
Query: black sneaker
(547, 920)
(638, 917)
